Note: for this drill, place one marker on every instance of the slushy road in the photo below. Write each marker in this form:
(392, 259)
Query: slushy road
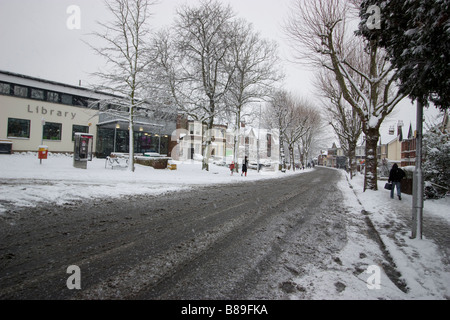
(239, 241)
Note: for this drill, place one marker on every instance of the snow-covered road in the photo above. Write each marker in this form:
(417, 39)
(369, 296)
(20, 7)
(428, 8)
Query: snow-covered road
(226, 242)
(289, 236)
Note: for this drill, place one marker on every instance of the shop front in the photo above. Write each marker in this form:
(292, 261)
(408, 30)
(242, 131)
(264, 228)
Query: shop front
(113, 137)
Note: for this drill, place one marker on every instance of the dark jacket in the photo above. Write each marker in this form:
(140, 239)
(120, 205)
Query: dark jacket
(245, 165)
(396, 174)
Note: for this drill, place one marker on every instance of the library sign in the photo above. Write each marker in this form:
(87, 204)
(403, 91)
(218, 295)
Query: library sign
(51, 112)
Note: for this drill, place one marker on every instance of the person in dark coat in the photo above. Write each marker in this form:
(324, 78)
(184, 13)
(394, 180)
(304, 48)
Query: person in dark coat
(244, 166)
(395, 176)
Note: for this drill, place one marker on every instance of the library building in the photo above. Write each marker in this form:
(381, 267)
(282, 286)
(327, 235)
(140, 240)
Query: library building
(36, 112)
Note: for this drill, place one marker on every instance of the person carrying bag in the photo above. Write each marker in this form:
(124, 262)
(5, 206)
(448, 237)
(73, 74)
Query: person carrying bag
(395, 177)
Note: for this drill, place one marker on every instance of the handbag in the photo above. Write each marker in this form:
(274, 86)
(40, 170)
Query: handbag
(388, 186)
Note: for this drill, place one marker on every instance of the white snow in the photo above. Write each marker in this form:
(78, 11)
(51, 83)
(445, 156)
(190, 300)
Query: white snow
(420, 262)
(25, 182)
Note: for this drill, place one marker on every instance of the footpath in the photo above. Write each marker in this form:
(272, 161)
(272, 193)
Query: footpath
(413, 265)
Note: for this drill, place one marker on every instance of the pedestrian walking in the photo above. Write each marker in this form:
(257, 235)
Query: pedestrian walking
(395, 176)
(244, 166)
(232, 166)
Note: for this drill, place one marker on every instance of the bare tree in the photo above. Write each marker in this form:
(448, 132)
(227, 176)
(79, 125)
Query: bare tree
(342, 118)
(255, 72)
(194, 57)
(319, 30)
(126, 53)
(289, 115)
(307, 140)
(276, 117)
(298, 125)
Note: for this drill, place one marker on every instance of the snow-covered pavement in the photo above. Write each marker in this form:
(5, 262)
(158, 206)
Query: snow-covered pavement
(25, 182)
(422, 264)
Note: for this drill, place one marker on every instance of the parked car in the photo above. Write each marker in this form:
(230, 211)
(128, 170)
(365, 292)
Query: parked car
(253, 165)
(262, 164)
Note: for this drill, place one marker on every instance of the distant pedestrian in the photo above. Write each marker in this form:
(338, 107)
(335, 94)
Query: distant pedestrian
(232, 166)
(244, 166)
(395, 176)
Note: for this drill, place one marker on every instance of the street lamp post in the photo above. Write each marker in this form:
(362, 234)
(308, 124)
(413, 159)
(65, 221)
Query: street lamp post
(42, 137)
(159, 143)
(418, 185)
(258, 141)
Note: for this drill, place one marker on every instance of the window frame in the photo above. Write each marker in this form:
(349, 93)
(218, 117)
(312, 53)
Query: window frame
(16, 91)
(53, 97)
(3, 85)
(44, 137)
(78, 125)
(28, 131)
(33, 93)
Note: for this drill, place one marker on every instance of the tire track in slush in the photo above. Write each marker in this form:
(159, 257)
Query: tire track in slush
(210, 242)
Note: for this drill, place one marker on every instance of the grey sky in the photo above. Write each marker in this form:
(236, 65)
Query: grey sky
(37, 42)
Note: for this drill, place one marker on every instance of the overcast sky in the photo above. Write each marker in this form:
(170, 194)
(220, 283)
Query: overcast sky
(36, 41)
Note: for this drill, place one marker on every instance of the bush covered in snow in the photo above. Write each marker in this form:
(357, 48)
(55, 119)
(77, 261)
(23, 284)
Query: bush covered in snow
(436, 167)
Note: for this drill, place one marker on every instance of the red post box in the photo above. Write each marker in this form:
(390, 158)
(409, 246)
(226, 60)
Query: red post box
(43, 152)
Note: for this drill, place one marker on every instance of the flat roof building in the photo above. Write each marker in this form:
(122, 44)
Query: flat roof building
(35, 111)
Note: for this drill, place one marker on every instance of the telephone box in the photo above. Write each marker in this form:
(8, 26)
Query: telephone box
(82, 153)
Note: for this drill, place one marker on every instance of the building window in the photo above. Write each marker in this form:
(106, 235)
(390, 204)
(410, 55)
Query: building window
(18, 128)
(77, 128)
(80, 101)
(52, 131)
(52, 97)
(93, 104)
(20, 91)
(37, 94)
(5, 88)
(66, 99)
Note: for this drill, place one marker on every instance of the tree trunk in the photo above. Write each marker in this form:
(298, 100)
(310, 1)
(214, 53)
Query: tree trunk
(207, 152)
(371, 175)
(237, 142)
(302, 155)
(352, 159)
(292, 159)
(205, 161)
(282, 157)
(236, 151)
(131, 141)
